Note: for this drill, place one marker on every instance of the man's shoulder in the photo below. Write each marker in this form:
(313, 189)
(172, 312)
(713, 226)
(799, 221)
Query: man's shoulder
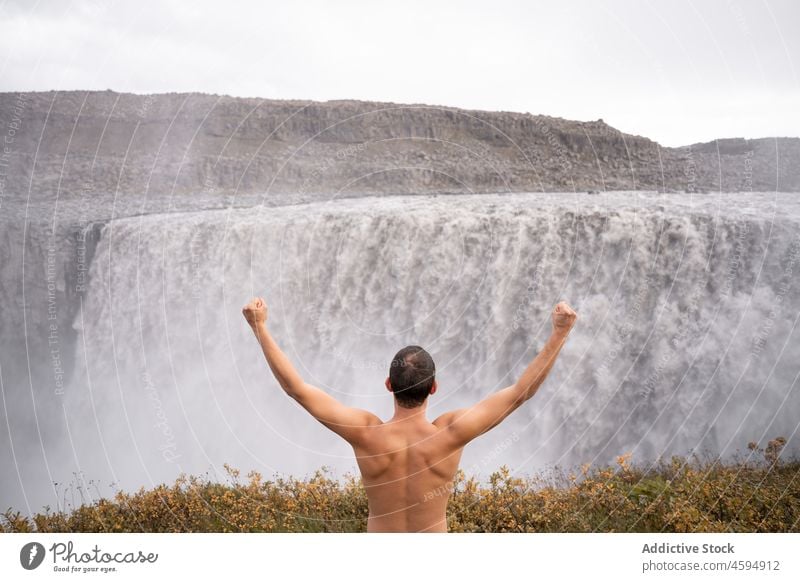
(447, 419)
(369, 419)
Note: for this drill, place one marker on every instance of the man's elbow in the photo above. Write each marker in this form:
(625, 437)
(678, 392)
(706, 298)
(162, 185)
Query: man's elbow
(523, 393)
(291, 390)
(296, 394)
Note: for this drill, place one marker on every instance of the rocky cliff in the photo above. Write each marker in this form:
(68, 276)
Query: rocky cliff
(184, 144)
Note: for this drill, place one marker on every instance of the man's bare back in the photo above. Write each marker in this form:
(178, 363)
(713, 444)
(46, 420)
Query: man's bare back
(407, 467)
(408, 463)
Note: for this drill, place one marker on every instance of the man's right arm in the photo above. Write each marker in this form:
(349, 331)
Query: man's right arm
(468, 423)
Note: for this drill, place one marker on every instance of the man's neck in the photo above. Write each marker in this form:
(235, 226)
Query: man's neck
(410, 415)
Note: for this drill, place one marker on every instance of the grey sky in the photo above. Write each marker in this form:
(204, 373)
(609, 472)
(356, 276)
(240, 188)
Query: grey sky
(678, 72)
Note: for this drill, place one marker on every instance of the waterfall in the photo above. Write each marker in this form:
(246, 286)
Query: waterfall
(686, 338)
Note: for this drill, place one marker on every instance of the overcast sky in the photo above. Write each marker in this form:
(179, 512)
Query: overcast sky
(676, 71)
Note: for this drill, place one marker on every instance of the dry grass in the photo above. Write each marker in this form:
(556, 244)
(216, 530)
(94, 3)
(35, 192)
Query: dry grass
(756, 493)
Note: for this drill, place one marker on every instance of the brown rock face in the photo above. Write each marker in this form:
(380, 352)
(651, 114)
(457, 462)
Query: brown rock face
(72, 143)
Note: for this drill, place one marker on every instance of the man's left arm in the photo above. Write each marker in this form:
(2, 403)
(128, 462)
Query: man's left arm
(349, 423)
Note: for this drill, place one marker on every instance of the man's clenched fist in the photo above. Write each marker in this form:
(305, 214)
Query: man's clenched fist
(563, 317)
(255, 312)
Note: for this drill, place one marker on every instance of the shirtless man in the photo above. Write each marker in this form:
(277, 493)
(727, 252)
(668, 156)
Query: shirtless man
(408, 463)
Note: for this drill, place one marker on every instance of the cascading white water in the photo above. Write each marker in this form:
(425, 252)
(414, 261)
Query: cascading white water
(686, 338)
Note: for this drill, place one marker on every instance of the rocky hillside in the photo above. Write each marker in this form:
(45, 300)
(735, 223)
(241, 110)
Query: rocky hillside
(78, 142)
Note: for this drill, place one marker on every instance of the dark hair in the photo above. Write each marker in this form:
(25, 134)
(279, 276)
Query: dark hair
(411, 376)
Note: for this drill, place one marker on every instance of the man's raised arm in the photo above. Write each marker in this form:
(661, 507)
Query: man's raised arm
(467, 423)
(349, 423)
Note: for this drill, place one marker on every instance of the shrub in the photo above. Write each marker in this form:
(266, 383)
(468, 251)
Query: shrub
(679, 495)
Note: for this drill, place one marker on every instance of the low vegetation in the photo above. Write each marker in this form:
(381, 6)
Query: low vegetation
(759, 491)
